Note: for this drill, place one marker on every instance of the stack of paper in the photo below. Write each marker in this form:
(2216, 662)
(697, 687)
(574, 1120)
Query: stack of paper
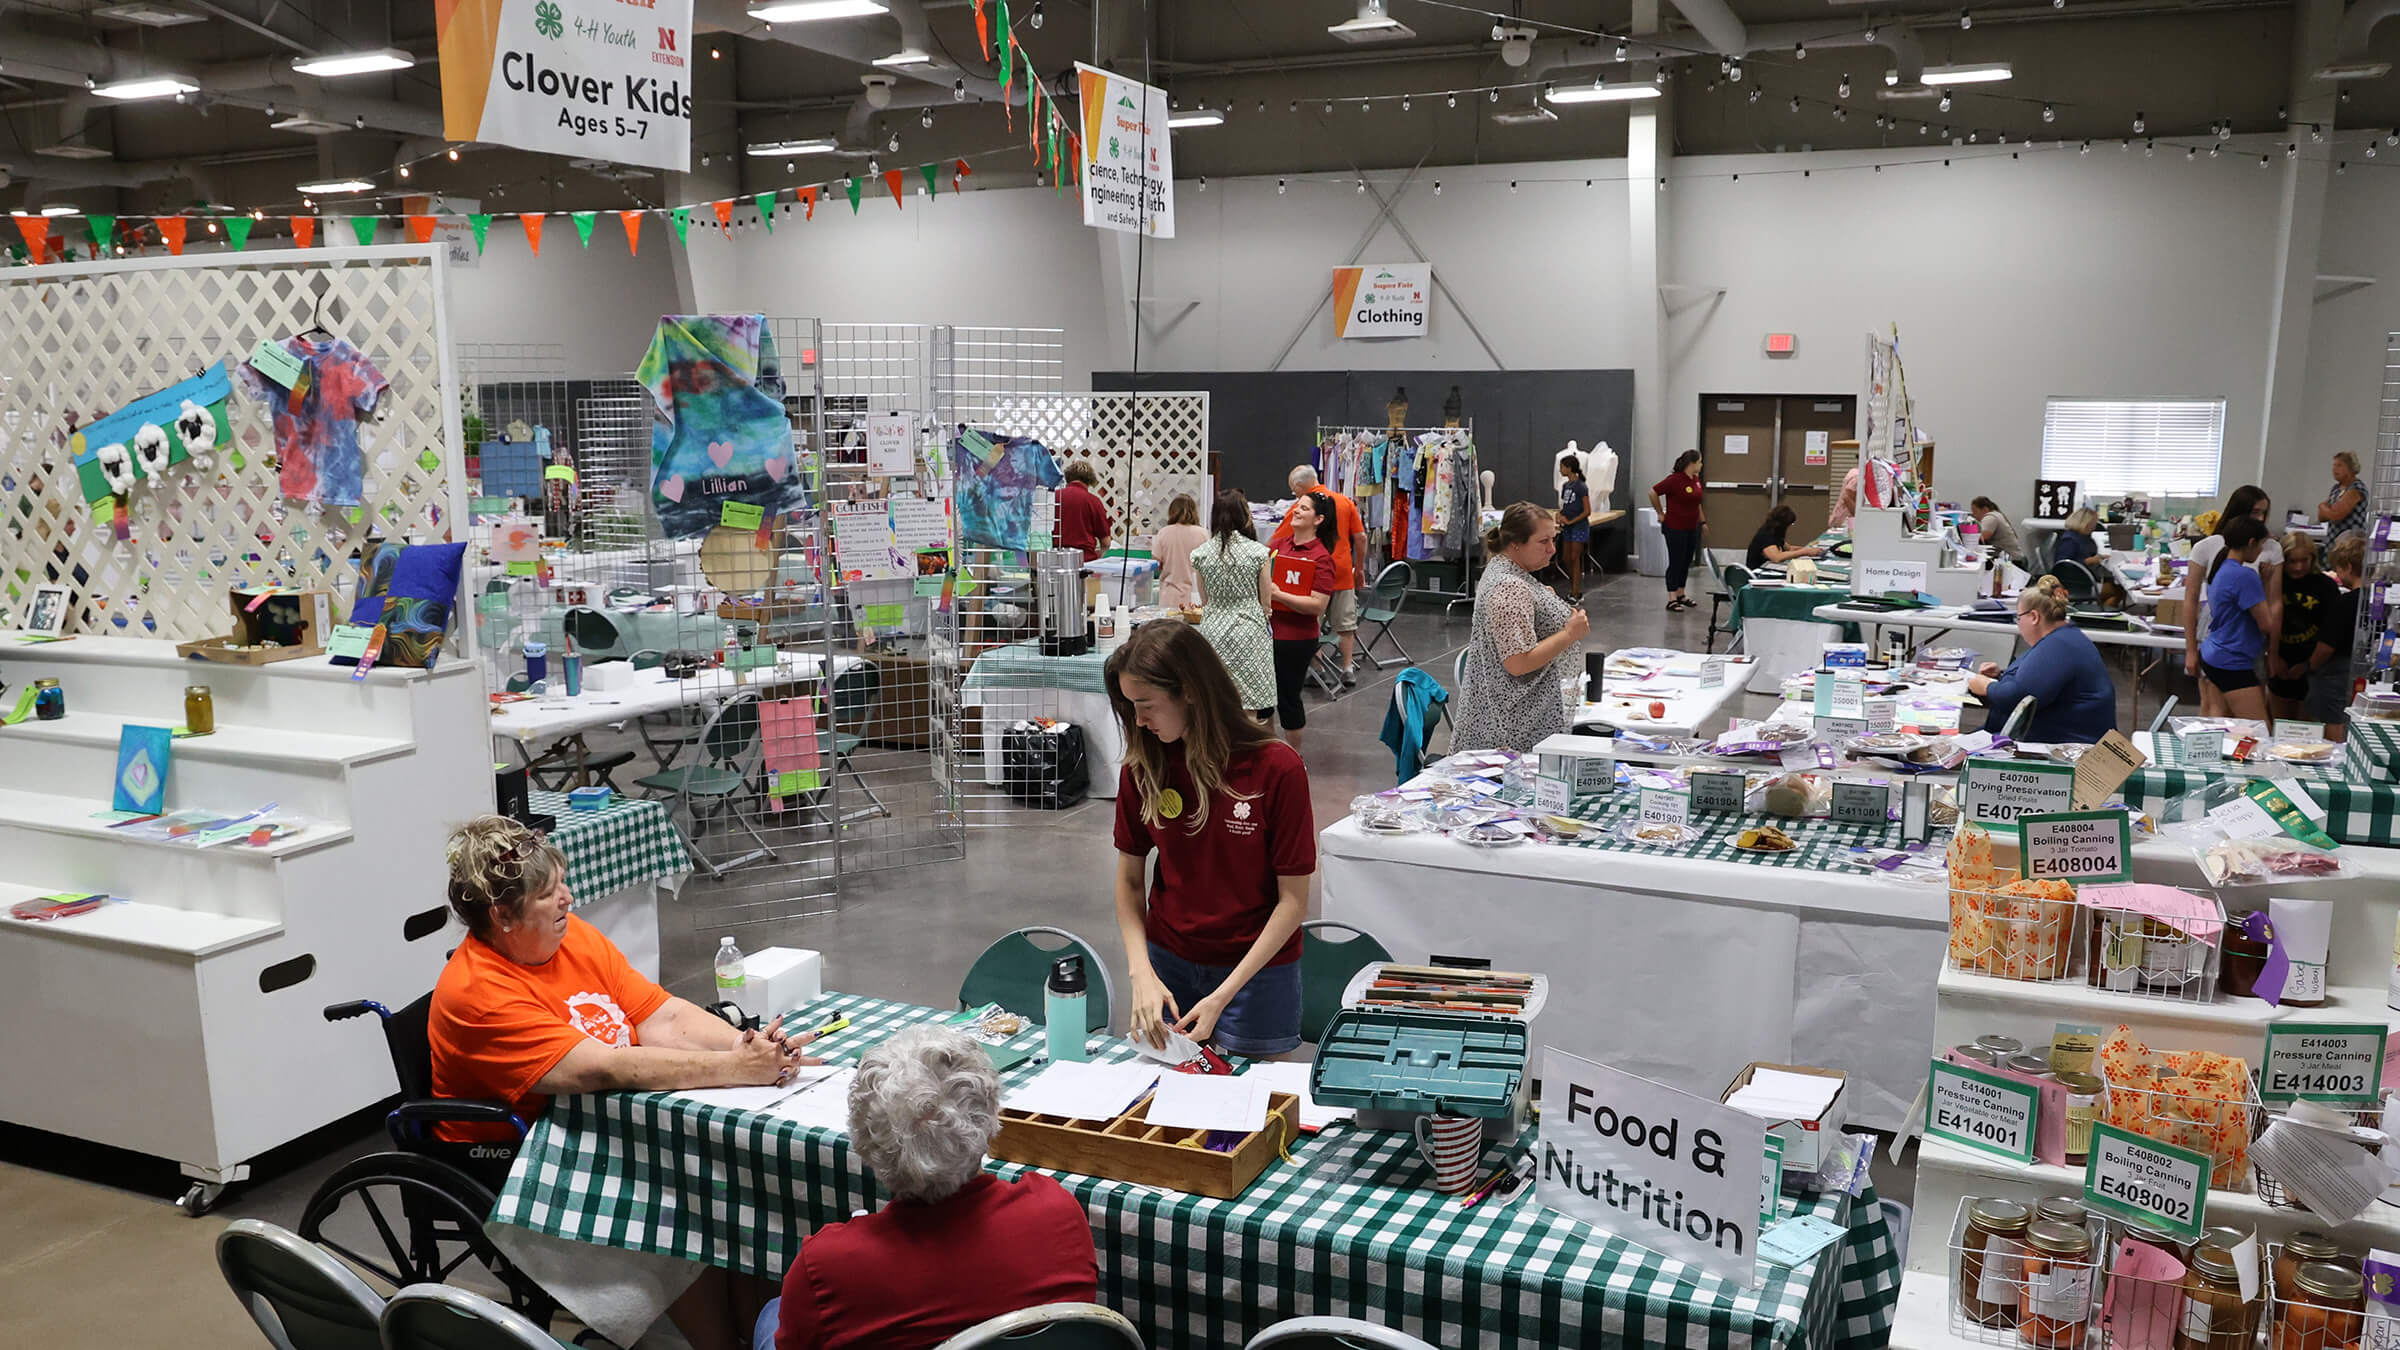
(1292, 1077)
(1772, 1094)
(1196, 1101)
(823, 1103)
(1079, 1091)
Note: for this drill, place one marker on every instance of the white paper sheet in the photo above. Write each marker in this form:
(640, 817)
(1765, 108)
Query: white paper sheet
(1292, 1077)
(1192, 1101)
(1778, 1095)
(824, 1102)
(741, 1098)
(1080, 1091)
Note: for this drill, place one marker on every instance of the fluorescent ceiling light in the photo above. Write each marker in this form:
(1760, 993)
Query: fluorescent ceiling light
(2355, 70)
(148, 86)
(818, 145)
(1197, 117)
(353, 63)
(1373, 24)
(812, 11)
(1525, 117)
(906, 56)
(1604, 93)
(337, 185)
(1981, 72)
(60, 209)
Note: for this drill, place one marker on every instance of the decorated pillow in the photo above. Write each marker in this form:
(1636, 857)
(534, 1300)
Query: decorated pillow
(409, 589)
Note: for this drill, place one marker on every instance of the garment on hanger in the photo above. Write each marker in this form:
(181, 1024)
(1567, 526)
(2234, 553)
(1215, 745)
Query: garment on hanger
(718, 432)
(997, 479)
(316, 420)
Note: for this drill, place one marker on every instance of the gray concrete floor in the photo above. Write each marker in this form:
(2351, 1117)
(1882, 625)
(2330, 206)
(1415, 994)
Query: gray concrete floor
(87, 1227)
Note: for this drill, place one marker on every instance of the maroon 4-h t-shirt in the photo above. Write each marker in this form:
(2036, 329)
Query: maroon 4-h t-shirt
(1082, 520)
(1215, 887)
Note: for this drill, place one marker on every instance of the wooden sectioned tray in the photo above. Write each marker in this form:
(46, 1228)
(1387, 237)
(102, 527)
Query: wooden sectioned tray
(1130, 1148)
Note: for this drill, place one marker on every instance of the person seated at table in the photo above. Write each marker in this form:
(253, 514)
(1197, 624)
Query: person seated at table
(2075, 542)
(2242, 610)
(1993, 528)
(1214, 948)
(956, 1245)
(536, 1002)
(1767, 545)
(2074, 702)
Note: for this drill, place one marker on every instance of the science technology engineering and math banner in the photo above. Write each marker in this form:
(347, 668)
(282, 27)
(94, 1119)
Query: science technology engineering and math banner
(598, 79)
(1128, 159)
(1382, 300)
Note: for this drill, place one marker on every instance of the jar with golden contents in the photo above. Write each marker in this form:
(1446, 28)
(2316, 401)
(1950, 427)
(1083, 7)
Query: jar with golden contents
(2300, 1249)
(2084, 1094)
(1991, 1266)
(2067, 1209)
(199, 709)
(2324, 1308)
(2215, 1315)
(2059, 1272)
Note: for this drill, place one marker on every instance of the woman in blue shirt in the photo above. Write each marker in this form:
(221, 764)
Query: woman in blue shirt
(2240, 615)
(1574, 523)
(2075, 542)
(2074, 701)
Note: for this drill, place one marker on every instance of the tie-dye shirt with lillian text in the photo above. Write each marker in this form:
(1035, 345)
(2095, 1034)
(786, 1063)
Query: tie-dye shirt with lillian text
(316, 441)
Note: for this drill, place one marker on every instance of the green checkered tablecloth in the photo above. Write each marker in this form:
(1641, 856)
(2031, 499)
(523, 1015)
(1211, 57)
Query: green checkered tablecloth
(1824, 845)
(2357, 811)
(1349, 1226)
(2373, 751)
(1021, 665)
(624, 843)
(1795, 604)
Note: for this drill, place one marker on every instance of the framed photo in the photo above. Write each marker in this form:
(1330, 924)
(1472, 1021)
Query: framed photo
(47, 612)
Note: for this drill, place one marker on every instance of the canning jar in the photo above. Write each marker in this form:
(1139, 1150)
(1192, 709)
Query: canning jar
(2303, 1248)
(2029, 1063)
(2003, 1046)
(2062, 1209)
(49, 701)
(2215, 1315)
(2325, 1309)
(199, 709)
(2059, 1271)
(1991, 1268)
(2072, 1051)
(2084, 1094)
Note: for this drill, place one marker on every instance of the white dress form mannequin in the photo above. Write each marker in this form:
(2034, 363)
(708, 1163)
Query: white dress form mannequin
(1558, 467)
(1486, 479)
(1600, 475)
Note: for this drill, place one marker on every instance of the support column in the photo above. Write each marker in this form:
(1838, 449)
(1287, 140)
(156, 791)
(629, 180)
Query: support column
(1649, 144)
(2283, 465)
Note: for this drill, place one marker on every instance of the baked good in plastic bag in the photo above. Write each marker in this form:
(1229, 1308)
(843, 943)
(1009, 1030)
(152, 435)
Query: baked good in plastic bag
(1797, 795)
(2193, 1099)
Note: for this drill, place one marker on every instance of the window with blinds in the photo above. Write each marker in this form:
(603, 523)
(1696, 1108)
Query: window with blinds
(2112, 446)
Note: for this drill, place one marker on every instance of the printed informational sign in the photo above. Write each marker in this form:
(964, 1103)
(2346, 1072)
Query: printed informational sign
(1382, 300)
(596, 79)
(2204, 747)
(1663, 1169)
(1839, 695)
(1713, 791)
(892, 444)
(1770, 1180)
(1999, 791)
(2077, 846)
(865, 547)
(1665, 806)
(919, 523)
(2131, 1177)
(1712, 672)
(1875, 578)
(1815, 448)
(1979, 1110)
(2337, 1062)
(1128, 160)
(1861, 803)
(1737, 445)
(1552, 794)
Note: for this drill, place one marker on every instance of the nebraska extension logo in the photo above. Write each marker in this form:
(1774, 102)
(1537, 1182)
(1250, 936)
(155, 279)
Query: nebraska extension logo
(665, 55)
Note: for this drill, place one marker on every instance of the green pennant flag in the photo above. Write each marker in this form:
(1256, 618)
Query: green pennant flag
(852, 189)
(584, 221)
(766, 209)
(364, 228)
(929, 171)
(1052, 138)
(481, 224)
(104, 230)
(237, 231)
(1007, 45)
(682, 216)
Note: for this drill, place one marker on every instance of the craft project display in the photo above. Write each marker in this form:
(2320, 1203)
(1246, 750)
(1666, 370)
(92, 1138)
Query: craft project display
(142, 757)
(316, 412)
(143, 439)
(408, 590)
(718, 431)
(997, 481)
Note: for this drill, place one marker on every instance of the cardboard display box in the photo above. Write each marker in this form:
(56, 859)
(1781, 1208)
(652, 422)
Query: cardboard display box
(1804, 1141)
(298, 621)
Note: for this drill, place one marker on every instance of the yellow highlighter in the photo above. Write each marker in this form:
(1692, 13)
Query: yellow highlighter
(841, 1023)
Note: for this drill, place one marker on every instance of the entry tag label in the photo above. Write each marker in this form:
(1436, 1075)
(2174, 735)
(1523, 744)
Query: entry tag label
(2077, 846)
(2130, 1177)
(1981, 1111)
(2336, 1062)
(1717, 791)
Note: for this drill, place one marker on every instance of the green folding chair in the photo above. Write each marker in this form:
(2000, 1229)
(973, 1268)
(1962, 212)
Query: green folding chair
(1326, 967)
(1013, 971)
(301, 1296)
(1052, 1326)
(712, 788)
(1385, 595)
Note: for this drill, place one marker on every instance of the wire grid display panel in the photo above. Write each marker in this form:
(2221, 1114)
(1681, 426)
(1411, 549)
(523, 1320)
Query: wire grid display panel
(2382, 482)
(85, 340)
(1146, 448)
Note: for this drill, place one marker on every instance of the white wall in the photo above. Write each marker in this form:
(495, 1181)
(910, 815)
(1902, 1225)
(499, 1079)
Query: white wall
(2346, 343)
(598, 303)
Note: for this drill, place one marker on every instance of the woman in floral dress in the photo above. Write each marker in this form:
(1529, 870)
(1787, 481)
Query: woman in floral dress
(1232, 567)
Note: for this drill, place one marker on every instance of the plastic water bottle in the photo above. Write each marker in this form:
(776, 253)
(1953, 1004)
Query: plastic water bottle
(731, 982)
(1062, 1010)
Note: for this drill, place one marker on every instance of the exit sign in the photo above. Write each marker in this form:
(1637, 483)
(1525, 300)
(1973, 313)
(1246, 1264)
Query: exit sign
(1782, 344)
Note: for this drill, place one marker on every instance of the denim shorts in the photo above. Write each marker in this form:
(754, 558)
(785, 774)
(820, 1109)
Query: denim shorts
(1262, 1020)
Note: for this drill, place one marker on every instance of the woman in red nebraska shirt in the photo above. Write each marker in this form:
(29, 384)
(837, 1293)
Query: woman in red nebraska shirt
(956, 1245)
(1303, 571)
(1676, 498)
(1214, 949)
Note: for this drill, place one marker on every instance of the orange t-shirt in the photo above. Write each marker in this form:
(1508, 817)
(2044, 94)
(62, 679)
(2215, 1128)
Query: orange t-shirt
(496, 1026)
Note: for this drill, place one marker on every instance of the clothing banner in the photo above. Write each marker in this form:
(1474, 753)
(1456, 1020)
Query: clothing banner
(598, 79)
(1381, 300)
(1128, 165)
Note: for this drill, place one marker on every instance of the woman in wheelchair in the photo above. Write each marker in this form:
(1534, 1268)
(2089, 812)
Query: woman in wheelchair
(536, 1002)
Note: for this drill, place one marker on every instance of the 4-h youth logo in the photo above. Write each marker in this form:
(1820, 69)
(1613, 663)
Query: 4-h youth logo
(547, 19)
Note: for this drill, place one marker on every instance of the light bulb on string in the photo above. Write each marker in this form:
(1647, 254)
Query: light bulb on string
(1924, 128)
(1799, 51)
(2370, 149)
(2392, 137)
(1755, 91)
(1362, 187)
(1945, 103)
(1842, 90)
(256, 214)
(2049, 114)
(1204, 182)
(1295, 106)
(2140, 124)
(2282, 113)
(1869, 34)
(1841, 114)
(2149, 149)
(212, 227)
(2123, 146)
(2262, 161)
(454, 154)
(1035, 18)
(1973, 137)
(790, 166)
(925, 119)
(893, 145)
(2225, 131)
(1329, 107)
(1966, 19)
(2087, 148)
(1280, 185)
(1406, 103)
(958, 91)
(2345, 96)
(1512, 184)
(874, 166)
(1620, 51)
(2215, 151)
(2341, 166)
(2190, 153)
(2316, 133)
(1495, 96)
(2291, 151)
(1437, 187)
(1659, 77)
(404, 171)
(1366, 105)
(1454, 100)
(1795, 103)
(1735, 73)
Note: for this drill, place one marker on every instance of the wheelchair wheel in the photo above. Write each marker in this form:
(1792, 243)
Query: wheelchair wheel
(403, 1219)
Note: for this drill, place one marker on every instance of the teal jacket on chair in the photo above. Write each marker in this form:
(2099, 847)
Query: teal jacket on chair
(1417, 702)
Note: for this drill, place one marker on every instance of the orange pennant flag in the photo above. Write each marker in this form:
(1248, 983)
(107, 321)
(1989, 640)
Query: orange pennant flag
(420, 228)
(36, 230)
(633, 230)
(724, 211)
(170, 228)
(891, 179)
(304, 230)
(808, 199)
(533, 230)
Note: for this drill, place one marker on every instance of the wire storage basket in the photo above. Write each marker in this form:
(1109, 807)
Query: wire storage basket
(2132, 952)
(2027, 930)
(2026, 1282)
(2275, 1192)
(2205, 1113)
(2144, 1304)
(2313, 1305)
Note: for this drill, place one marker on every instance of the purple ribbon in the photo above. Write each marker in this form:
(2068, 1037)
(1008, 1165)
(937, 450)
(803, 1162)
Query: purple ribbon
(2278, 969)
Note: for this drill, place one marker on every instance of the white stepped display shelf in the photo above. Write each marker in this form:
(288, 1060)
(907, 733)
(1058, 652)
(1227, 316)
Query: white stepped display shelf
(184, 1019)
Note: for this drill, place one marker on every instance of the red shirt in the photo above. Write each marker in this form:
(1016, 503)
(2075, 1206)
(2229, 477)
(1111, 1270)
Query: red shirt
(1214, 888)
(1681, 493)
(910, 1276)
(1082, 520)
(1300, 569)
(1344, 526)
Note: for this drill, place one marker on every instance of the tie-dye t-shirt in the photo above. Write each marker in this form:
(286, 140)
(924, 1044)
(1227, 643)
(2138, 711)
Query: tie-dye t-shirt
(316, 443)
(997, 480)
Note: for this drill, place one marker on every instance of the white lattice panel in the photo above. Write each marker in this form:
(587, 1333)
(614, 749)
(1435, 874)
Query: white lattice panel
(86, 340)
(1162, 442)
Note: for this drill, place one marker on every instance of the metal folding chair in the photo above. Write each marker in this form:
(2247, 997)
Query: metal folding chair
(1385, 595)
(713, 788)
(1731, 579)
(1052, 1326)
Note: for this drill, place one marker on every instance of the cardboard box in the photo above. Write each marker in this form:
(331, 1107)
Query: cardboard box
(1804, 1141)
(299, 621)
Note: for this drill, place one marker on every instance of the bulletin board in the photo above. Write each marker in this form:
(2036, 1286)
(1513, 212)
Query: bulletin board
(88, 339)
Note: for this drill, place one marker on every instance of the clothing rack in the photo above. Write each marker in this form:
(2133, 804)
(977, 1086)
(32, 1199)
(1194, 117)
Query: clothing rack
(1465, 595)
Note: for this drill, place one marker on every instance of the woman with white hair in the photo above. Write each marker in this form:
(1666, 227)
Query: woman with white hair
(956, 1245)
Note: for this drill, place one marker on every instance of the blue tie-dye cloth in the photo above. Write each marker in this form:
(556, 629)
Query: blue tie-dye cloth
(718, 432)
(996, 482)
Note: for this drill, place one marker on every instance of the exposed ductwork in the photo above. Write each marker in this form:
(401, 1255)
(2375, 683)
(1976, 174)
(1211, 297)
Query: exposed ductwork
(858, 43)
(255, 83)
(2351, 58)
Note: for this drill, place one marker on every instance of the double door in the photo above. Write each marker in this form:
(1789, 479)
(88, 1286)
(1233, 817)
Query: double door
(1761, 450)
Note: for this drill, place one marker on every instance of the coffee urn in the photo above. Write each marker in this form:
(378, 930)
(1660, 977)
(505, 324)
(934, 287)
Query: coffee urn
(1058, 600)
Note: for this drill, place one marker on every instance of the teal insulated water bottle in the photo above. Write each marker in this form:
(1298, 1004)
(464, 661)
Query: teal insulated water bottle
(1062, 1009)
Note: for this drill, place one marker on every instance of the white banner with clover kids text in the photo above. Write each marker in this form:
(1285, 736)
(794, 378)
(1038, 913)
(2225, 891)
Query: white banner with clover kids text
(596, 79)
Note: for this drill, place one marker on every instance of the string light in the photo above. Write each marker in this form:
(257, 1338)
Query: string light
(1204, 182)
(1620, 51)
(2315, 133)
(1842, 90)
(2049, 114)
(1495, 96)
(2392, 138)
(893, 145)
(1945, 104)
(1870, 33)
(2262, 161)
(925, 119)
(2140, 123)
(1035, 19)
(404, 171)
(1406, 103)
(2087, 148)
(1795, 104)
(958, 91)
(1454, 100)
(1362, 187)
(2149, 149)
(454, 154)
(2370, 149)
(1799, 51)
(1735, 73)
(1966, 19)
(1437, 187)
(2291, 151)
(1755, 91)
(1280, 185)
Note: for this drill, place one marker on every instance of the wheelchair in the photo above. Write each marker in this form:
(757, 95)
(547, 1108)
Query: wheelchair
(439, 1191)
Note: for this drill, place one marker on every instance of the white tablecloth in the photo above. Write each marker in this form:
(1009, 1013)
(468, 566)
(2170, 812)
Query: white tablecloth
(1678, 970)
(651, 691)
(1626, 699)
(1103, 743)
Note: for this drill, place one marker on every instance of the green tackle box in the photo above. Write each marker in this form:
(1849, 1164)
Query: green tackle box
(1395, 1065)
